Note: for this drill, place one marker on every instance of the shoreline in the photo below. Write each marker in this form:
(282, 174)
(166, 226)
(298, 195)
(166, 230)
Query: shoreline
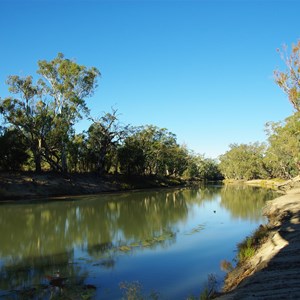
(24, 186)
(274, 267)
(274, 270)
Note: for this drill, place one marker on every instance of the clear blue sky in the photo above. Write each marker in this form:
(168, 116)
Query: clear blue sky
(202, 69)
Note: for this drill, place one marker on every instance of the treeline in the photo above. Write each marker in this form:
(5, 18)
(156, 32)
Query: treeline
(38, 131)
(280, 155)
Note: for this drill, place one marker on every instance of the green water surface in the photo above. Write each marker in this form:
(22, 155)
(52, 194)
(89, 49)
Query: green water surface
(166, 240)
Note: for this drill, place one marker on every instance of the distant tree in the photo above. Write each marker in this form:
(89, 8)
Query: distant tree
(283, 154)
(152, 151)
(77, 153)
(176, 159)
(289, 80)
(244, 161)
(131, 157)
(211, 170)
(104, 135)
(202, 168)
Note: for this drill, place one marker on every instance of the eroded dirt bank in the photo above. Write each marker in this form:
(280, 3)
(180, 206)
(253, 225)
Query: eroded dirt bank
(274, 271)
(22, 186)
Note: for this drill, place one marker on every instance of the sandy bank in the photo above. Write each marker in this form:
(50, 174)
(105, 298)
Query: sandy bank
(274, 271)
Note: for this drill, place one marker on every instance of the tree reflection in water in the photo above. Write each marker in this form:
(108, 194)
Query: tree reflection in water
(245, 202)
(40, 239)
(45, 277)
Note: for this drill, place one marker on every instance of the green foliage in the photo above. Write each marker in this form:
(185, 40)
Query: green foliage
(243, 162)
(131, 157)
(104, 137)
(78, 155)
(248, 247)
(152, 151)
(283, 154)
(289, 80)
(66, 84)
(28, 114)
(246, 250)
(202, 168)
(13, 150)
(45, 112)
(238, 199)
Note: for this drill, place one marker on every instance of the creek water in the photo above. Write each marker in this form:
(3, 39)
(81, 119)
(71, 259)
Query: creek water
(162, 242)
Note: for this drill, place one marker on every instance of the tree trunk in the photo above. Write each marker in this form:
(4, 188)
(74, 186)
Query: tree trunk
(101, 161)
(64, 165)
(37, 150)
(38, 163)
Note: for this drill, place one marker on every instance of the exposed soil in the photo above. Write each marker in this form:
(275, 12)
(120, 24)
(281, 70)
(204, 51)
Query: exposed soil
(22, 186)
(274, 271)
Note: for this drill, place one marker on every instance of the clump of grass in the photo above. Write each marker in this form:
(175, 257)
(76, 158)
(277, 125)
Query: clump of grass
(248, 247)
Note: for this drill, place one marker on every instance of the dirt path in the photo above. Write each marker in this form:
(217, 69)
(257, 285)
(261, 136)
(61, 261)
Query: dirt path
(274, 271)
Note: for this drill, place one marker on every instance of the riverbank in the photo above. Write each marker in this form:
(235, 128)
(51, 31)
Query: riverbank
(19, 186)
(274, 270)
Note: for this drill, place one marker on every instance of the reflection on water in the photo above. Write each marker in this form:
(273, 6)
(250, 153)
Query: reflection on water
(245, 202)
(86, 237)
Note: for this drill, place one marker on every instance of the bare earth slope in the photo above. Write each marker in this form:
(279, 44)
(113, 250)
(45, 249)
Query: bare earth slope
(21, 186)
(274, 271)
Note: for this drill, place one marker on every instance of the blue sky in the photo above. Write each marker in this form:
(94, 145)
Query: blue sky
(201, 69)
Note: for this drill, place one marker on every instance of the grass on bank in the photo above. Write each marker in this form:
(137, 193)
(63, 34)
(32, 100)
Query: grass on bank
(248, 247)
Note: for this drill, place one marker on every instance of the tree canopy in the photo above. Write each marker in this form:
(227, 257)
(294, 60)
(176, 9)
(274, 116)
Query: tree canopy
(289, 80)
(45, 112)
(39, 133)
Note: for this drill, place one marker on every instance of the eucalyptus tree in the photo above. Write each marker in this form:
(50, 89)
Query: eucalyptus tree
(152, 151)
(289, 80)
(28, 113)
(243, 161)
(46, 112)
(66, 84)
(104, 136)
(78, 154)
(131, 156)
(203, 168)
(175, 159)
(283, 153)
(159, 146)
